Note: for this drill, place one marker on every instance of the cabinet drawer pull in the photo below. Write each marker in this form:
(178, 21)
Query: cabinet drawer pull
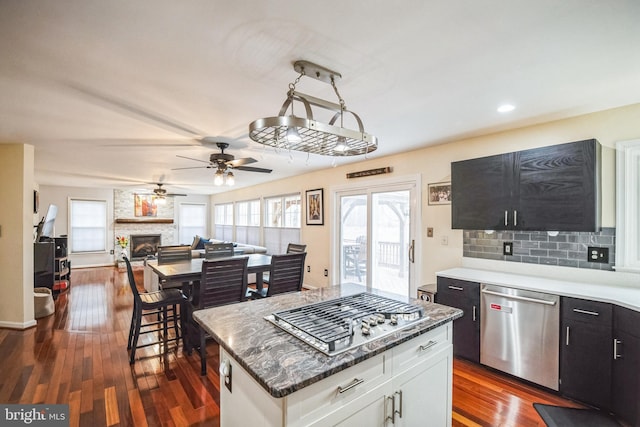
(590, 313)
(352, 384)
(515, 218)
(455, 288)
(428, 345)
(474, 313)
(506, 216)
(567, 342)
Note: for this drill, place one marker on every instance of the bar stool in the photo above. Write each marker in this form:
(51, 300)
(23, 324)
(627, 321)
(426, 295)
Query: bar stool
(160, 303)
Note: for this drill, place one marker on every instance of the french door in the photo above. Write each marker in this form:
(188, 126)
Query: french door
(375, 247)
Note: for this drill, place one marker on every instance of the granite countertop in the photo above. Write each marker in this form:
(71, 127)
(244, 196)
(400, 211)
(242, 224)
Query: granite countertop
(280, 362)
(624, 296)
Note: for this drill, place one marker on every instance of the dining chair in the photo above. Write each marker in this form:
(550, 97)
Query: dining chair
(222, 281)
(217, 250)
(163, 304)
(174, 253)
(296, 248)
(285, 275)
(171, 254)
(292, 248)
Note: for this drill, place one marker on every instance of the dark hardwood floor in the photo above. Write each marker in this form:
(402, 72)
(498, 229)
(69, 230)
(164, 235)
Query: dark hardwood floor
(78, 356)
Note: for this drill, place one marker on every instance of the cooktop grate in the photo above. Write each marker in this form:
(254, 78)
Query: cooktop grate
(332, 326)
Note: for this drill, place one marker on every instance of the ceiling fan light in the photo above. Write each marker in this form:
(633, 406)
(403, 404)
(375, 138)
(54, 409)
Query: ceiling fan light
(231, 180)
(160, 200)
(218, 179)
(293, 136)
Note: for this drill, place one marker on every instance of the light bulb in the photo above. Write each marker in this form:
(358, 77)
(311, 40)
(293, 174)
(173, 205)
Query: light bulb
(230, 179)
(160, 201)
(341, 146)
(293, 137)
(218, 179)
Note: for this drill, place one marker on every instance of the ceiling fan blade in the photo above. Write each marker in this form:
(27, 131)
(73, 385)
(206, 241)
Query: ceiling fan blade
(193, 167)
(253, 169)
(174, 195)
(241, 162)
(191, 158)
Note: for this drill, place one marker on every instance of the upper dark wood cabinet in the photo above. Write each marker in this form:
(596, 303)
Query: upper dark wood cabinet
(554, 188)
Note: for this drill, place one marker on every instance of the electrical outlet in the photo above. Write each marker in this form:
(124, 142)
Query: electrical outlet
(111, 252)
(308, 269)
(429, 231)
(326, 273)
(507, 248)
(598, 254)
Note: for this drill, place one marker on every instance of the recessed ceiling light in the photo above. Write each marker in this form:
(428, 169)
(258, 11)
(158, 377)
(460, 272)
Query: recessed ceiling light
(505, 108)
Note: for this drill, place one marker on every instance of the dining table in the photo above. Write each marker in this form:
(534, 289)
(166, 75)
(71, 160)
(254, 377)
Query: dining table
(190, 270)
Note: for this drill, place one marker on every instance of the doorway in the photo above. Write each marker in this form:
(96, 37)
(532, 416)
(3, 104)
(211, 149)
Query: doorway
(375, 247)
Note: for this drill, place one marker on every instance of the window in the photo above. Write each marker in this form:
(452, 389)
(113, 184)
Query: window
(224, 222)
(628, 206)
(282, 222)
(88, 225)
(192, 218)
(248, 222)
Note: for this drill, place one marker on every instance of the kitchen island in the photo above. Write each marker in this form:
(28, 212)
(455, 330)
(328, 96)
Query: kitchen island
(271, 378)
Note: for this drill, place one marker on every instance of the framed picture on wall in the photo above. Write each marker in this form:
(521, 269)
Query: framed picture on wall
(440, 193)
(144, 205)
(315, 207)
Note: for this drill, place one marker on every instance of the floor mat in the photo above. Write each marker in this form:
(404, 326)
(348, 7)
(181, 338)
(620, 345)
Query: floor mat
(557, 416)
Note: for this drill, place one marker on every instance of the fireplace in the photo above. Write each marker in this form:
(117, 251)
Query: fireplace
(144, 245)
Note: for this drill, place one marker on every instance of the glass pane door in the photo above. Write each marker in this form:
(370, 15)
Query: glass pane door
(375, 238)
(390, 241)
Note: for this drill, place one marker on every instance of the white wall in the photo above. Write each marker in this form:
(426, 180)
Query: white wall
(433, 164)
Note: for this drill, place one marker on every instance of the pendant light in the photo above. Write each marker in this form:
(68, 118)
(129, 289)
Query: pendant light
(306, 134)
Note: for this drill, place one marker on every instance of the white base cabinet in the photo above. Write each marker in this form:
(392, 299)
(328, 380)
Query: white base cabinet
(408, 385)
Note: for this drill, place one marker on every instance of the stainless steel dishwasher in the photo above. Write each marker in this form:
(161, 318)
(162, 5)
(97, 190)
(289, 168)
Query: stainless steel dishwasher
(519, 333)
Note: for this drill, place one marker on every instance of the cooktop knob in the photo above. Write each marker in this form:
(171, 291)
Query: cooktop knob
(365, 330)
(381, 319)
(394, 319)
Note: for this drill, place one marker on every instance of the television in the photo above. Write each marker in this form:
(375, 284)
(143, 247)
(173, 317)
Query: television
(45, 226)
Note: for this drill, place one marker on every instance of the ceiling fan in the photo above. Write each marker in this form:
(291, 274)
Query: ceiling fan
(161, 193)
(222, 162)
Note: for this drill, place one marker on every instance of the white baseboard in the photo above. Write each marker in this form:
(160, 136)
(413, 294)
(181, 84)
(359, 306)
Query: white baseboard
(18, 325)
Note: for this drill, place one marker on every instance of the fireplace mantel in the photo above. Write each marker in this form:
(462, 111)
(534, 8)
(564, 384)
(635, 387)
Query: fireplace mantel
(144, 220)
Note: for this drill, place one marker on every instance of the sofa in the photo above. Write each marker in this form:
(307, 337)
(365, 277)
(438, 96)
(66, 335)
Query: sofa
(197, 247)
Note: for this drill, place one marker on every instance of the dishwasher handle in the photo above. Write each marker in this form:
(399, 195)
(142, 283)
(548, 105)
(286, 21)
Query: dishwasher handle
(519, 298)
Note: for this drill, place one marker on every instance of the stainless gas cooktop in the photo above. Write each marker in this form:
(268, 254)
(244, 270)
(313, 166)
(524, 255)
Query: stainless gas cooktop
(340, 324)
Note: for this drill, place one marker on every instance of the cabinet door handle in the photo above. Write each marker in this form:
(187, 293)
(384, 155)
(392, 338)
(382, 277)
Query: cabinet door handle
(393, 408)
(590, 313)
(506, 217)
(356, 382)
(428, 345)
(474, 313)
(616, 356)
(567, 340)
(515, 218)
(455, 288)
(400, 411)
(388, 417)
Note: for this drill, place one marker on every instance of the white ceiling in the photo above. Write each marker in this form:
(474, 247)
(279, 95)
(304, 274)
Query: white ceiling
(109, 92)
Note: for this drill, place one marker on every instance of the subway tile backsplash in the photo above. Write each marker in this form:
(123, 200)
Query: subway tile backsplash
(568, 249)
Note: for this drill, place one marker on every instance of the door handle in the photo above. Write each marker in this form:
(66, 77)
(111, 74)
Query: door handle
(412, 249)
(400, 411)
(519, 298)
(474, 313)
(506, 217)
(515, 218)
(616, 356)
(567, 339)
(590, 313)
